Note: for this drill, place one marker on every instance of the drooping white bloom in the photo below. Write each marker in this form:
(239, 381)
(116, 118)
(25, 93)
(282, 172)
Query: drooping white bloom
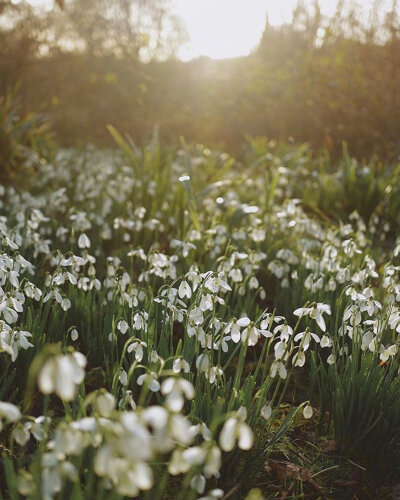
(25, 483)
(182, 460)
(266, 411)
(216, 283)
(388, 352)
(83, 241)
(306, 337)
(123, 377)
(214, 494)
(299, 359)
(104, 403)
(151, 380)
(316, 312)
(331, 359)
(137, 347)
(281, 350)
(179, 365)
(74, 334)
(250, 335)
(184, 290)
(203, 362)
(62, 374)
(21, 434)
(175, 389)
(308, 411)
(236, 275)
(122, 326)
(280, 368)
(198, 483)
(325, 341)
(235, 430)
(285, 331)
(9, 413)
(233, 327)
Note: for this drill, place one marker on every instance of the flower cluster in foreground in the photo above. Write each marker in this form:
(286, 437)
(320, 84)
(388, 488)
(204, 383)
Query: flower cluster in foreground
(152, 321)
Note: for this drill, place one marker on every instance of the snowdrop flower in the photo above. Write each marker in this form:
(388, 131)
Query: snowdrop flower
(315, 311)
(183, 460)
(280, 368)
(235, 430)
(194, 277)
(16, 339)
(325, 341)
(236, 275)
(74, 334)
(266, 412)
(350, 248)
(127, 476)
(308, 411)
(216, 283)
(184, 290)
(388, 352)
(9, 314)
(198, 483)
(214, 494)
(233, 327)
(250, 335)
(104, 403)
(299, 358)
(331, 359)
(127, 399)
(223, 343)
(366, 340)
(214, 373)
(38, 427)
(83, 241)
(196, 316)
(306, 337)
(140, 320)
(284, 330)
(281, 350)
(65, 304)
(32, 291)
(151, 380)
(212, 462)
(175, 389)
(68, 440)
(353, 314)
(137, 347)
(122, 326)
(25, 483)
(202, 429)
(179, 365)
(206, 302)
(62, 374)
(123, 377)
(354, 294)
(21, 434)
(253, 283)
(203, 362)
(9, 413)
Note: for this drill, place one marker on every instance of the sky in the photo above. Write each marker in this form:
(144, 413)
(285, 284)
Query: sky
(231, 28)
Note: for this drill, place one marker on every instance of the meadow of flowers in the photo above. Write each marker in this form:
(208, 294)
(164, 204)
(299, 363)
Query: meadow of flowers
(171, 320)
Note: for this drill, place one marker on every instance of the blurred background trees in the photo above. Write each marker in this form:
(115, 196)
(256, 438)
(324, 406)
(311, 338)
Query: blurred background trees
(93, 62)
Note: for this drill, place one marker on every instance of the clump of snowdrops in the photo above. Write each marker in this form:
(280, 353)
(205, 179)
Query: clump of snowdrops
(157, 306)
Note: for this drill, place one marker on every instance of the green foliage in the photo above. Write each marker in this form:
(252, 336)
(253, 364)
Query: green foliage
(321, 80)
(25, 141)
(147, 267)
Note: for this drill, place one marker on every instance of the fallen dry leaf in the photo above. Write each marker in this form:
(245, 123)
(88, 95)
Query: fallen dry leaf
(328, 445)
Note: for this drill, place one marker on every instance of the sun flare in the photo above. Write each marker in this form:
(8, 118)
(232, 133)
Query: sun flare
(222, 29)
